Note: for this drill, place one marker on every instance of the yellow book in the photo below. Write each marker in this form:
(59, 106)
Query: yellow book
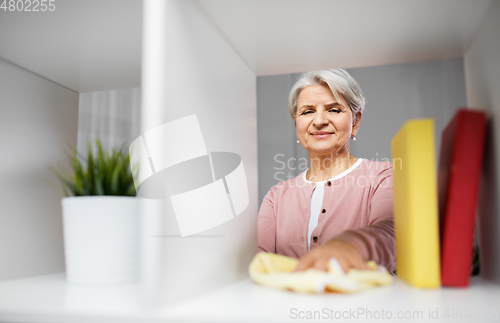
(416, 204)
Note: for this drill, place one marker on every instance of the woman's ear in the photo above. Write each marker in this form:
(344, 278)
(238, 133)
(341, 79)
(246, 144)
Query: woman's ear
(357, 121)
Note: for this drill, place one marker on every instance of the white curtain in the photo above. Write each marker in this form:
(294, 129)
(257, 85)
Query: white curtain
(113, 116)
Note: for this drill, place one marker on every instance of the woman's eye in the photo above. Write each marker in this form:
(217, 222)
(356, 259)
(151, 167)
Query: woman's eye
(306, 112)
(335, 110)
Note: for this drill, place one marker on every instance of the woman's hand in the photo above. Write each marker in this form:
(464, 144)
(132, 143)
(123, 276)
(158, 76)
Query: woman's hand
(319, 257)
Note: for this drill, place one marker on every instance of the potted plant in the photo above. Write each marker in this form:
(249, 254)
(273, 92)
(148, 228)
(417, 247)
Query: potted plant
(100, 217)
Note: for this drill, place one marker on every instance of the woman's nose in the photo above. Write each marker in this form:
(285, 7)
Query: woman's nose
(320, 119)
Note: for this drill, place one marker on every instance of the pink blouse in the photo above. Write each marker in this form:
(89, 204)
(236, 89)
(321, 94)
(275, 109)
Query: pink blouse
(357, 208)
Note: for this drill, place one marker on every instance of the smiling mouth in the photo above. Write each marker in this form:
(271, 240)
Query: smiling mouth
(321, 134)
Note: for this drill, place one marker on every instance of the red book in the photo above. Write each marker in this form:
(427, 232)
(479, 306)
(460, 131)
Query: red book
(460, 164)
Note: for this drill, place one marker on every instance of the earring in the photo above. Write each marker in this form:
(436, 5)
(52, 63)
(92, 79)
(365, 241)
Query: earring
(353, 138)
(298, 141)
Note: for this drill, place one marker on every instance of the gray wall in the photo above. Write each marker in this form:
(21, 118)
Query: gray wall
(38, 117)
(394, 93)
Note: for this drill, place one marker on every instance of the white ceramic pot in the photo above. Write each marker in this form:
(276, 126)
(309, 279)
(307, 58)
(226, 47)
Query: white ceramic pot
(101, 236)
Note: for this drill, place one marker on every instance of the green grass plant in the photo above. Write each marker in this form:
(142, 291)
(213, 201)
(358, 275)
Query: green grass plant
(100, 173)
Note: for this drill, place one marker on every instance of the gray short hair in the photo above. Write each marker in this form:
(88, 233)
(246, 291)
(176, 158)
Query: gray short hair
(338, 80)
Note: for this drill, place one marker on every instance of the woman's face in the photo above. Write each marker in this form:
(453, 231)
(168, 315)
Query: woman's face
(324, 125)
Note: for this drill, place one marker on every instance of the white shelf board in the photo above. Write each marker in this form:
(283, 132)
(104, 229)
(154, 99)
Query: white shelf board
(49, 298)
(96, 45)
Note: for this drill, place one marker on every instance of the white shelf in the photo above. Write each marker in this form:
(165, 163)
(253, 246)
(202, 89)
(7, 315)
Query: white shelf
(50, 299)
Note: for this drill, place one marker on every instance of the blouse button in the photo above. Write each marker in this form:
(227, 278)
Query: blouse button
(328, 183)
(315, 239)
(323, 211)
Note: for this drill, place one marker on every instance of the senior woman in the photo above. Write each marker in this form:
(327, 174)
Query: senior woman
(342, 205)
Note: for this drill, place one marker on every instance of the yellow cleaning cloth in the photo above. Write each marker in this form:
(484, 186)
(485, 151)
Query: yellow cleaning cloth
(276, 271)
